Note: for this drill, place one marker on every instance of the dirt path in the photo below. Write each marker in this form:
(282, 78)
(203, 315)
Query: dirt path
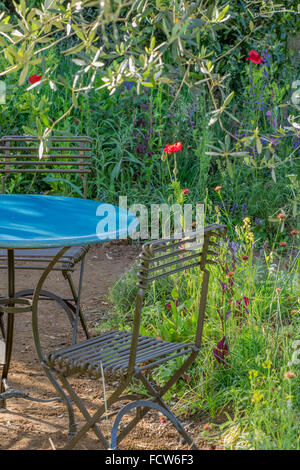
(27, 425)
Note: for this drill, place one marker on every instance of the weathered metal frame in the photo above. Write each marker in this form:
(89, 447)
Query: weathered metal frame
(79, 163)
(56, 368)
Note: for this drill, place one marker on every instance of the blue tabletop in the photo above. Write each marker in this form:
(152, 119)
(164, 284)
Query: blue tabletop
(32, 221)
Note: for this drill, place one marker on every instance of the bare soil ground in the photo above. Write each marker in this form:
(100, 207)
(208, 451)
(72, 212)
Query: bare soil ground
(28, 425)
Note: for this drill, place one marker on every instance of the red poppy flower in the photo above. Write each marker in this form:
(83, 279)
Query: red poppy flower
(281, 216)
(185, 191)
(221, 352)
(283, 244)
(34, 78)
(217, 188)
(173, 148)
(230, 274)
(168, 305)
(254, 57)
(294, 232)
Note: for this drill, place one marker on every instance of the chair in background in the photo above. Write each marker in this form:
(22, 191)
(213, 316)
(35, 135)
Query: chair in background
(64, 156)
(129, 355)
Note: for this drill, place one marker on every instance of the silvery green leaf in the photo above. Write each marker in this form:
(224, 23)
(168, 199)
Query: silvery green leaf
(52, 85)
(34, 85)
(41, 149)
(69, 29)
(79, 62)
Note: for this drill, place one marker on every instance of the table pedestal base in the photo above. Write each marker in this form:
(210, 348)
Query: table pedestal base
(13, 305)
(14, 393)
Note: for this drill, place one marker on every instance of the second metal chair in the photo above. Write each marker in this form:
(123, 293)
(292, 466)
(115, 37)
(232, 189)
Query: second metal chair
(127, 354)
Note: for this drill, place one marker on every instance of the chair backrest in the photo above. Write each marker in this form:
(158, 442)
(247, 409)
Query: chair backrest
(63, 155)
(162, 258)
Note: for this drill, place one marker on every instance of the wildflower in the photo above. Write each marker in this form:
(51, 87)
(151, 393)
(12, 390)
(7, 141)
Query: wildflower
(217, 188)
(247, 301)
(185, 191)
(253, 374)
(294, 233)
(268, 113)
(281, 216)
(221, 351)
(293, 312)
(257, 397)
(254, 57)
(206, 427)
(245, 257)
(169, 305)
(284, 244)
(34, 78)
(177, 147)
(289, 375)
(244, 209)
(162, 420)
(128, 85)
(277, 290)
(267, 364)
(250, 238)
(230, 274)
(247, 222)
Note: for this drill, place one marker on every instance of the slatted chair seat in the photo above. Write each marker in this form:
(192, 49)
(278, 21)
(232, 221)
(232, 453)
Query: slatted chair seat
(44, 255)
(111, 352)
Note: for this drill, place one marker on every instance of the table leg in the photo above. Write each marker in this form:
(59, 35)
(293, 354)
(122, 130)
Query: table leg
(10, 324)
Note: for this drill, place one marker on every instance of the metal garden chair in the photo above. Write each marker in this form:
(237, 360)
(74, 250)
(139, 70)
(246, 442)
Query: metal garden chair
(128, 354)
(65, 155)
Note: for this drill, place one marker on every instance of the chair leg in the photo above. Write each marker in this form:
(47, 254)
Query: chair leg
(157, 398)
(83, 410)
(93, 419)
(2, 327)
(76, 296)
(141, 405)
(66, 400)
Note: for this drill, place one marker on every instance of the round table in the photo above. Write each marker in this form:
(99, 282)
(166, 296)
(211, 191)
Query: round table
(38, 221)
